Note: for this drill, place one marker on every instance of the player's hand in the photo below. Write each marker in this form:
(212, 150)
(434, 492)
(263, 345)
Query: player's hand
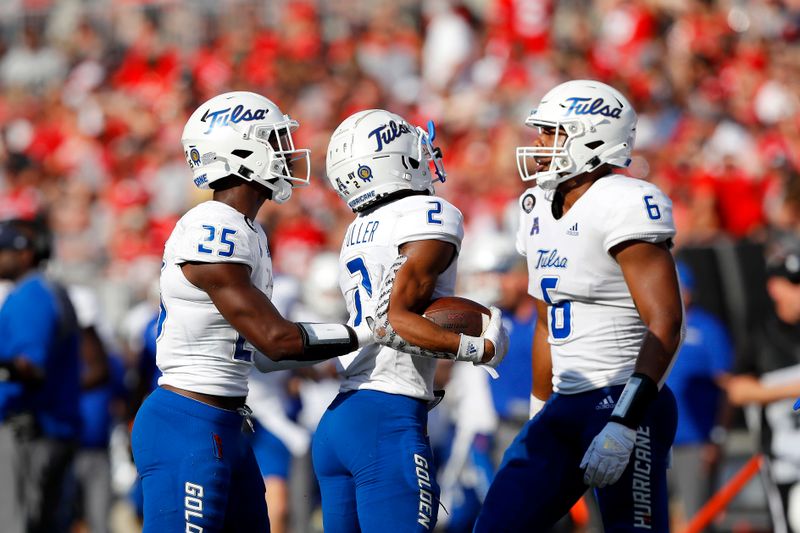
(608, 455)
(364, 332)
(497, 335)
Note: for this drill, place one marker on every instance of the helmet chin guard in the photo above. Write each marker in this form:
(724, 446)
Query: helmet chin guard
(594, 125)
(375, 153)
(245, 135)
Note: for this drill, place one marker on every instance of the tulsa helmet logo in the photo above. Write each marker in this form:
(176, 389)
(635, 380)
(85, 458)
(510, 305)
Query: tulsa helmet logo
(598, 106)
(223, 117)
(386, 133)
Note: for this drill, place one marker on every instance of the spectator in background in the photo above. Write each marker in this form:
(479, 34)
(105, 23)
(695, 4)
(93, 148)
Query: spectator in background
(769, 376)
(102, 396)
(702, 364)
(40, 391)
(492, 272)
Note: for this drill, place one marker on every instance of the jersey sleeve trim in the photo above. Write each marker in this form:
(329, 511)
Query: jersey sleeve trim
(432, 236)
(182, 260)
(650, 236)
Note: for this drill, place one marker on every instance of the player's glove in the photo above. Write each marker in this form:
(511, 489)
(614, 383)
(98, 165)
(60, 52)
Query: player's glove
(608, 455)
(471, 348)
(497, 334)
(364, 332)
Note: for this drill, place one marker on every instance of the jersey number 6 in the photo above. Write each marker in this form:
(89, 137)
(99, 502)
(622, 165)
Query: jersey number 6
(560, 313)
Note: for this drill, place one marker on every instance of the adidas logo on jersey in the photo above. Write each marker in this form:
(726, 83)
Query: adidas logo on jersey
(605, 403)
(573, 230)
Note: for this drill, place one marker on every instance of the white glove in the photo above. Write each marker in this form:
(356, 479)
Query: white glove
(364, 332)
(608, 455)
(497, 334)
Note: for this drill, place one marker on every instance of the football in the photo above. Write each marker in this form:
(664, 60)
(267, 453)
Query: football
(459, 315)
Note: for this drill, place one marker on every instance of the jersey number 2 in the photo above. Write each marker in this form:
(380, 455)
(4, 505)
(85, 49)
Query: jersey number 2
(241, 353)
(560, 313)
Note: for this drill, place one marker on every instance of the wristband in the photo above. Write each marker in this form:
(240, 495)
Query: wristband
(323, 341)
(535, 407)
(636, 397)
(470, 349)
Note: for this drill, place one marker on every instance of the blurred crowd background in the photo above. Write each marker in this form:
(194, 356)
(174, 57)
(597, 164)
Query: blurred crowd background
(94, 95)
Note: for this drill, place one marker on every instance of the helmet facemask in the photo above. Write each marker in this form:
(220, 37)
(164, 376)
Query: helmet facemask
(286, 167)
(594, 125)
(430, 153)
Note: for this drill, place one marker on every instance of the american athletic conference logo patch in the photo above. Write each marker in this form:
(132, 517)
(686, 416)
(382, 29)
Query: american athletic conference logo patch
(528, 202)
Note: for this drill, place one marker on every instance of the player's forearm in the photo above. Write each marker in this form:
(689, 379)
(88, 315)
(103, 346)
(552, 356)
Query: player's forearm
(304, 342)
(542, 368)
(421, 332)
(659, 347)
(541, 361)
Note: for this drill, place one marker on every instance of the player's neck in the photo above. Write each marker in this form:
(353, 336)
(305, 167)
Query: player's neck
(245, 197)
(571, 190)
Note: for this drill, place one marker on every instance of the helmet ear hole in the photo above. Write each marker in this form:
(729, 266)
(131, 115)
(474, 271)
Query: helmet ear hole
(413, 162)
(243, 154)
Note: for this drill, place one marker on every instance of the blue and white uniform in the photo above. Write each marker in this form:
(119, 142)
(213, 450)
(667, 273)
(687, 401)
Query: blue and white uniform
(197, 468)
(595, 334)
(371, 452)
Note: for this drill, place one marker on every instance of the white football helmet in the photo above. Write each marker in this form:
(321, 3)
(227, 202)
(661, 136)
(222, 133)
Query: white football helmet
(600, 127)
(374, 153)
(245, 135)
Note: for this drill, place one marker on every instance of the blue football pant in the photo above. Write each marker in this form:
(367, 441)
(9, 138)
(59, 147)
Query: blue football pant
(374, 463)
(540, 479)
(198, 471)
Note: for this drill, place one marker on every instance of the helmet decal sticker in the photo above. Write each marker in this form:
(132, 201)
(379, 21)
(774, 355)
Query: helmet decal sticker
(580, 107)
(365, 173)
(394, 131)
(194, 157)
(222, 117)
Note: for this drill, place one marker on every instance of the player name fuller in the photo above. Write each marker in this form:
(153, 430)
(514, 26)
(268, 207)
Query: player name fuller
(361, 233)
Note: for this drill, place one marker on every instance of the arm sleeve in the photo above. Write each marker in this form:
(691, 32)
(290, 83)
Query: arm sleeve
(638, 213)
(265, 364)
(429, 218)
(209, 236)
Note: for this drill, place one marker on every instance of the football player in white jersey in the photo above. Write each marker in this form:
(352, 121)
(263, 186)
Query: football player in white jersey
(371, 453)
(609, 323)
(198, 470)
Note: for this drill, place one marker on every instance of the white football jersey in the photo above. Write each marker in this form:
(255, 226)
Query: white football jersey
(370, 247)
(197, 349)
(595, 331)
